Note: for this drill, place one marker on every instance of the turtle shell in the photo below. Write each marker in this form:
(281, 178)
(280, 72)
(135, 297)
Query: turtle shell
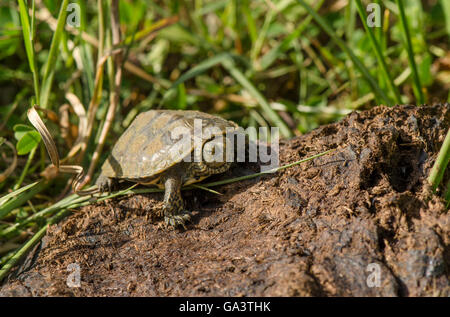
(159, 139)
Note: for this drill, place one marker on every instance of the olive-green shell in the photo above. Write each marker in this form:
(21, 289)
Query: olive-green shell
(147, 147)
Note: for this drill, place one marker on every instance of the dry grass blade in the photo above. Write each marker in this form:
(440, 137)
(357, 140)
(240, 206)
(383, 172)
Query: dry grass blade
(151, 30)
(93, 106)
(78, 108)
(36, 121)
(13, 165)
(206, 189)
(64, 123)
(44, 15)
(86, 130)
(115, 82)
(76, 182)
(133, 69)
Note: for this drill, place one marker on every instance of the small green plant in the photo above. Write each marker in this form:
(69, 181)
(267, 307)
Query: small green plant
(441, 164)
(27, 138)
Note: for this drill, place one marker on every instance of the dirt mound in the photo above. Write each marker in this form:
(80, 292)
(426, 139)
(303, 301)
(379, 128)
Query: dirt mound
(360, 221)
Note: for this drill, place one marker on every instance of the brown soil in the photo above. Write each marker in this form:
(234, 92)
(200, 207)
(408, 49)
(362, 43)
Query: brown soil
(311, 230)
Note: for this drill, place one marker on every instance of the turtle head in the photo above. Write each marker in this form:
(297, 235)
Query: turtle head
(214, 152)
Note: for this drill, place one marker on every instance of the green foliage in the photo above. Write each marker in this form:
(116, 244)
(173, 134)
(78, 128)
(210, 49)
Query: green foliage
(28, 138)
(446, 8)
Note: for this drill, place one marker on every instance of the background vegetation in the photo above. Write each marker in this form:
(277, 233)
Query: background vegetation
(295, 64)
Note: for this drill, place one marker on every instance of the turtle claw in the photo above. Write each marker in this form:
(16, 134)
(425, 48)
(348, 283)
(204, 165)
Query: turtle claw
(177, 220)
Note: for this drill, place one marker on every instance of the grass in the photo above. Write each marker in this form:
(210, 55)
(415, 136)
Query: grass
(412, 63)
(294, 64)
(378, 53)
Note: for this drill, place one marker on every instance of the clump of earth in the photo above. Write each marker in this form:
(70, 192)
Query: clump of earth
(359, 221)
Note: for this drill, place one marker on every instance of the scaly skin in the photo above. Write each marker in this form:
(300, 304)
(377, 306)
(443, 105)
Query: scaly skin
(172, 180)
(173, 209)
(151, 152)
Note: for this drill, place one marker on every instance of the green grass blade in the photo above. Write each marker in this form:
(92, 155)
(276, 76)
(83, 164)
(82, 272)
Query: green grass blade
(15, 193)
(211, 7)
(221, 182)
(30, 243)
(438, 169)
(262, 34)
(364, 71)
(63, 203)
(49, 67)
(447, 194)
(195, 71)
(226, 60)
(412, 63)
(206, 189)
(230, 180)
(200, 68)
(25, 169)
(33, 21)
(257, 45)
(18, 201)
(87, 59)
(245, 177)
(350, 14)
(445, 4)
(22, 252)
(28, 36)
(378, 53)
(269, 112)
(26, 30)
(275, 52)
(250, 21)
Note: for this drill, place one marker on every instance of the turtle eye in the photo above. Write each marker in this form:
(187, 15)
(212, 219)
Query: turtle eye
(213, 151)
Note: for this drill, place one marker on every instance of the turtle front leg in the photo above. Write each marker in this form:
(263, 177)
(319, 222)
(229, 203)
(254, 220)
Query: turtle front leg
(173, 209)
(105, 184)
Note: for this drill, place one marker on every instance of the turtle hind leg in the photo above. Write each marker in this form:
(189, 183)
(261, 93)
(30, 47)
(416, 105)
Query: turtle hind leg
(173, 209)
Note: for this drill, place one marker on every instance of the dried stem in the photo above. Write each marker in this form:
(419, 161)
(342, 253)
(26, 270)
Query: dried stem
(44, 15)
(115, 82)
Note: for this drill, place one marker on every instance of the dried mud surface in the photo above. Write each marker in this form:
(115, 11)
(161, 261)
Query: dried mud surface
(322, 228)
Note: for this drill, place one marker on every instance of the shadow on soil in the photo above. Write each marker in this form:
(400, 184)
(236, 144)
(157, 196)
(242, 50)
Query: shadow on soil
(360, 221)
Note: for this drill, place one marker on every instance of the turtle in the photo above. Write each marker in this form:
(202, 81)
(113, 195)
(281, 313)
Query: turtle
(169, 149)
